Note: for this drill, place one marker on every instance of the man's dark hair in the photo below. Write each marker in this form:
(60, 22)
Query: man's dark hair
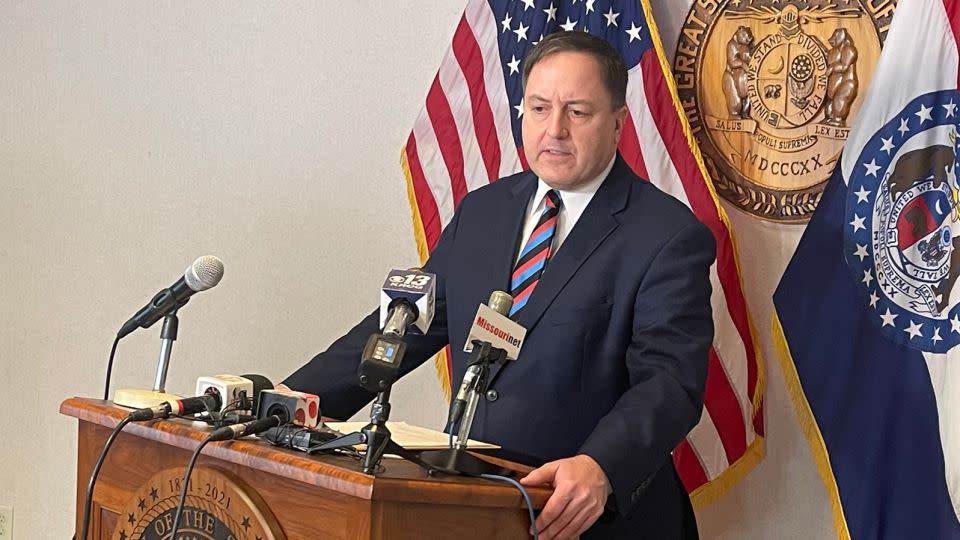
(612, 68)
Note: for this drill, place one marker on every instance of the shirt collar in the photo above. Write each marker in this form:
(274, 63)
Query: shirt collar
(577, 198)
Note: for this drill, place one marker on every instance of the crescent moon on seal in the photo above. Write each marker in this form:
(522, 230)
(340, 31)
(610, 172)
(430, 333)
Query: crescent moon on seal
(777, 69)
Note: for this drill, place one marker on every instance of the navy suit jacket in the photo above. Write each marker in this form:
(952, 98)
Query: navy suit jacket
(615, 359)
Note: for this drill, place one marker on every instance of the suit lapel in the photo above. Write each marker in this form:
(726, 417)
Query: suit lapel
(594, 225)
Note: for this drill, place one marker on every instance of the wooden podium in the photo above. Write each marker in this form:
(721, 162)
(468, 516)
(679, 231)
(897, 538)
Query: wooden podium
(250, 489)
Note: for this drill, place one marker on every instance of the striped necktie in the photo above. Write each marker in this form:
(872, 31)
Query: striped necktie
(535, 253)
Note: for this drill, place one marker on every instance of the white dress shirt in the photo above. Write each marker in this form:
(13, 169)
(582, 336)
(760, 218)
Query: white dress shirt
(573, 204)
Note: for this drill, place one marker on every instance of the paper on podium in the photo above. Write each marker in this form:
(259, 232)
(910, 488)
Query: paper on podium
(410, 437)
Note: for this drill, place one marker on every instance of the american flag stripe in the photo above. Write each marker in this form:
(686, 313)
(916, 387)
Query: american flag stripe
(630, 148)
(695, 475)
(470, 61)
(734, 360)
(435, 174)
(662, 171)
(725, 411)
(468, 134)
(448, 137)
(456, 91)
(711, 459)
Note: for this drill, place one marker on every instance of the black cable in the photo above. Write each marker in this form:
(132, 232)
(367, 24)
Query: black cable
(450, 430)
(233, 407)
(526, 497)
(106, 384)
(218, 418)
(186, 487)
(88, 501)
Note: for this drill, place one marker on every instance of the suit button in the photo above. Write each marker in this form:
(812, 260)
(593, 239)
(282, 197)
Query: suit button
(492, 395)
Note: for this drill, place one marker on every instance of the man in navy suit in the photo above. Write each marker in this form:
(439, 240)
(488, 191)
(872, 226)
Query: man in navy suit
(611, 279)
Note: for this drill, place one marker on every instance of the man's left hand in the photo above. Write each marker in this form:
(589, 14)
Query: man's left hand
(580, 490)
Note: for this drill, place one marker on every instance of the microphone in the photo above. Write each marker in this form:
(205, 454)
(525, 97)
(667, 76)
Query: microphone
(210, 398)
(204, 273)
(407, 297)
(493, 326)
(299, 408)
(497, 308)
(253, 427)
(180, 407)
(491, 334)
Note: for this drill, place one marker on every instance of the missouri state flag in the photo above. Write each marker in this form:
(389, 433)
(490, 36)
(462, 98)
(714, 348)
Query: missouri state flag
(868, 310)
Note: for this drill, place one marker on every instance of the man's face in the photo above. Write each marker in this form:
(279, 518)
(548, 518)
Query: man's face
(570, 130)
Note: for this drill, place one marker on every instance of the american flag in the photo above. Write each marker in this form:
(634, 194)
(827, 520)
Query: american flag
(468, 134)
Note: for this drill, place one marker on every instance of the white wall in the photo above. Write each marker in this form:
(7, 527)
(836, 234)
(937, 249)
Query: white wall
(137, 136)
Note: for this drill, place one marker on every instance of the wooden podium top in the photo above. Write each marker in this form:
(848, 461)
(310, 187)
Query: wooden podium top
(401, 481)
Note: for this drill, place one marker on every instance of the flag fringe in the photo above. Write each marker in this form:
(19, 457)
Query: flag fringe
(440, 362)
(758, 392)
(418, 233)
(710, 492)
(808, 424)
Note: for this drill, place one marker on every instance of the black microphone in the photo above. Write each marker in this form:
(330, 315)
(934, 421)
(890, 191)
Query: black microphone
(407, 299)
(253, 427)
(204, 273)
(180, 407)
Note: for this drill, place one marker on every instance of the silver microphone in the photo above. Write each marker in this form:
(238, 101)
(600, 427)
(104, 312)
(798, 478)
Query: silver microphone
(204, 273)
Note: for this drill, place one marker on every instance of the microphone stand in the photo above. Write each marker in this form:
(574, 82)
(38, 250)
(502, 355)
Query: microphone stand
(376, 436)
(456, 459)
(168, 334)
(379, 366)
(375, 433)
(138, 399)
